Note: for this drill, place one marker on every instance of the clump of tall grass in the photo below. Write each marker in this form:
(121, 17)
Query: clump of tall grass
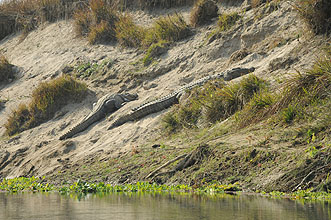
(97, 21)
(213, 102)
(202, 12)
(300, 91)
(148, 4)
(6, 70)
(47, 98)
(128, 33)
(25, 15)
(316, 14)
(169, 28)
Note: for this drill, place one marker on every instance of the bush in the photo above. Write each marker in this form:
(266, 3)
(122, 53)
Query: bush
(316, 13)
(100, 33)
(82, 23)
(47, 98)
(202, 12)
(6, 70)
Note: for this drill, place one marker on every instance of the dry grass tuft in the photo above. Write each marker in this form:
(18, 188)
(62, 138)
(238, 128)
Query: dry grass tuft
(316, 13)
(169, 28)
(128, 33)
(97, 21)
(148, 4)
(47, 98)
(25, 15)
(203, 12)
(6, 70)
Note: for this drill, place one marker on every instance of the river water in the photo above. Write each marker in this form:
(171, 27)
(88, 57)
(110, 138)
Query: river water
(149, 206)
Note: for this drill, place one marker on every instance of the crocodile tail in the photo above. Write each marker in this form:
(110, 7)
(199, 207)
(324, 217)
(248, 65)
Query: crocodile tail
(67, 135)
(120, 121)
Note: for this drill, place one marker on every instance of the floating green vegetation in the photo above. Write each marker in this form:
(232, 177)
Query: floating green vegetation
(84, 187)
(35, 184)
(25, 184)
(307, 194)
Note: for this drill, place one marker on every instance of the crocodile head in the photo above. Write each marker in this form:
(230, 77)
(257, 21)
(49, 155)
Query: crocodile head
(130, 97)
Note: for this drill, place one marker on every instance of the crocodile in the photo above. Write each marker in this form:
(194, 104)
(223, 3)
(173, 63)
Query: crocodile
(107, 104)
(173, 98)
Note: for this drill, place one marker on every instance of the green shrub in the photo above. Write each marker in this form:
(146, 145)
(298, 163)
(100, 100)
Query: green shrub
(256, 108)
(316, 13)
(226, 21)
(305, 88)
(202, 12)
(47, 98)
(6, 70)
(128, 33)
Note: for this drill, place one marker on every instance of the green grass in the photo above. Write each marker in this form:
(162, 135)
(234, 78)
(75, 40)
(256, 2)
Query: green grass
(212, 103)
(300, 92)
(6, 70)
(47, 98)
(226, 21)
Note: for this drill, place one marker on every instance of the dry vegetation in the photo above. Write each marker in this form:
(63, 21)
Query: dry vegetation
(6, 70)
(203, 12)
(47, 98)
(316, 13)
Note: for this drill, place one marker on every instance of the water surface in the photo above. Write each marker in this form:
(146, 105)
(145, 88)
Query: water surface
(156, 206)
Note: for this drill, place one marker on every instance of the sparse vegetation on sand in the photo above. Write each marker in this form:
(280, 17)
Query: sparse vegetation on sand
(47, 98)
